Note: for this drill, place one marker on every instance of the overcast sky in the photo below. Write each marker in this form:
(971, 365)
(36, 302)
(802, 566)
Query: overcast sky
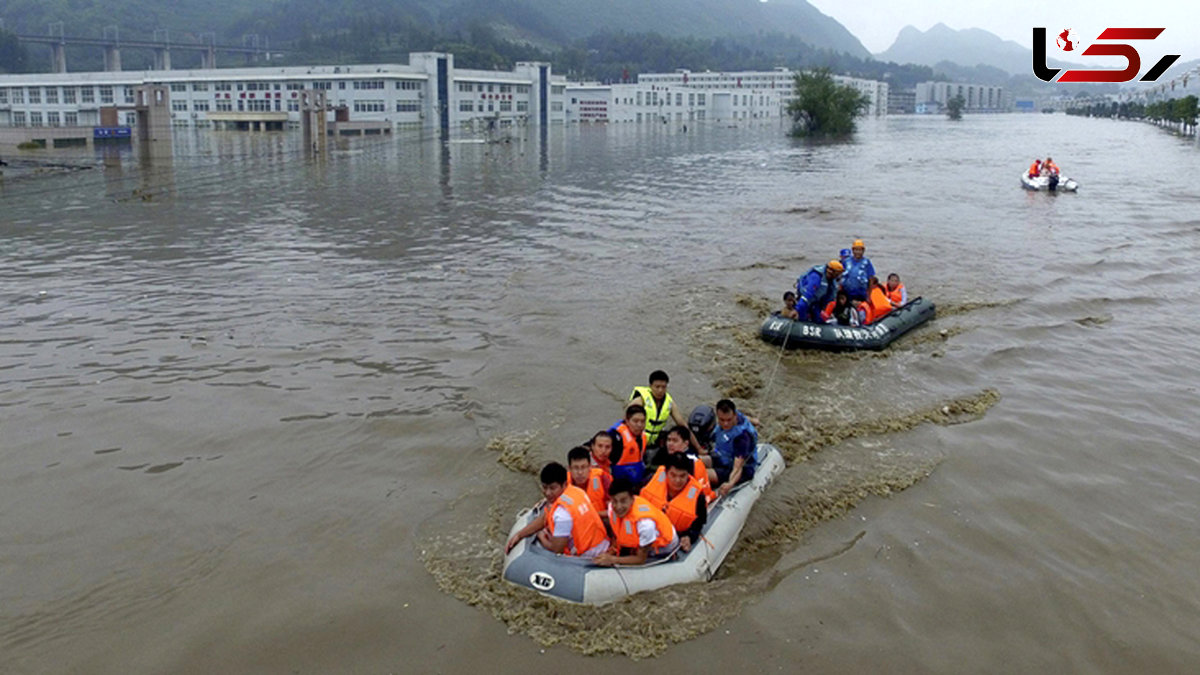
(876, 22)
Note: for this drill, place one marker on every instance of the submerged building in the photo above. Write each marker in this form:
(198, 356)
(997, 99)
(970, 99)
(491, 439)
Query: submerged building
(932, 97)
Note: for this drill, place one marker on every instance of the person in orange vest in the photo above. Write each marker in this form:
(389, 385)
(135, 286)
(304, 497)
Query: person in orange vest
(878, 304)
(1035, 169)
(602, 446)
(639, 529)
(1050, 167)
(592, 480)
(676, 444)
(630, 448)
(841, 311)
(568, 525)
(675, 490)
(895, 291)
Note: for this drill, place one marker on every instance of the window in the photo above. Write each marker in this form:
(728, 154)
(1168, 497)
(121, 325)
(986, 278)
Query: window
(277, 86)
(505, 106)
(408, 106)
(295, 86)
(556, 106)
(522, 106)
(557, 90)
(466, 87)
(128, 95)
(3, 96)
(341, 85)
(323, 86)
(506, 89)
(369, 106)
(178, 86)
(490, 87)
(35, 96)
(224, 106)
(130, 119)
(52, 95)
(52, 119)
(70, 119)
(200, 106)
(691, 99)
(200, 86)
(368, 84)
(679, 99)
(258, 105)
(223, 86)
(293, 106)
(409, 85)
(68, 94)
(522, 89)
(179, 106)
(35, 119)
(18, 119)
(87, 95)
(639, 98)
(466, 106)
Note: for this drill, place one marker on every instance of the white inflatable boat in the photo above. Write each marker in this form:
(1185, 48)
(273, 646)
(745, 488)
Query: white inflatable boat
(576, 580)
(1044, 183)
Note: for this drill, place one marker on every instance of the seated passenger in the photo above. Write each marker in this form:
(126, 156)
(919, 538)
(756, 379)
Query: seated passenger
(592, 480)
(1049, 167)
(858, 269)
(789, 307)
(568, 525)
(640, 530)
(602, 447)
(877, 305)
(1035, 169)
(841, 312)
(676, 444)
(630, 446)
(735, 447)
(817, 288)
(895, 291)
(675, 490)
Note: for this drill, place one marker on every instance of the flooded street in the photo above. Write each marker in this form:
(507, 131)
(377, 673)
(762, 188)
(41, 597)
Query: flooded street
(266, 413)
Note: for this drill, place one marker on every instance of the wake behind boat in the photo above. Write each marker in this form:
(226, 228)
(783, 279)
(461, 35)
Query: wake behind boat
(1049, 183)
(576, 579)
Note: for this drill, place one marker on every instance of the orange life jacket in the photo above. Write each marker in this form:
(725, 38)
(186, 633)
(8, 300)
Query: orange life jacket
(587, 530)
(682, 509)
(1051, 167)
(625, 528)
(1035, 168)
(897, 295)
(631, 448)
(595, 489)
(877, 305)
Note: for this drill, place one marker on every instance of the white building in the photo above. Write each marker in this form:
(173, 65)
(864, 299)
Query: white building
(662, 103)
(933, 96)
(779, 81)
(429, 92)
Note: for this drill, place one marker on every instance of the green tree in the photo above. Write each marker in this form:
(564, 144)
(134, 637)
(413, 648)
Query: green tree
(954, 107)
(1185, 110)
(823, 107)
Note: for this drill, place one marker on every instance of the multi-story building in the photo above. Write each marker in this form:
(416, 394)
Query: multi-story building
(429, 92)
(780, 81)
(931, 97)
(665, 103)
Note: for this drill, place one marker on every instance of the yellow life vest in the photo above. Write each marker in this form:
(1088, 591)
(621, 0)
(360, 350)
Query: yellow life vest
(656, 419)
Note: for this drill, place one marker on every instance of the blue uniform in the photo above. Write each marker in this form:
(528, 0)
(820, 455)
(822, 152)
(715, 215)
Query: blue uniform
(854, 279)
(740, 441)
(813, 293)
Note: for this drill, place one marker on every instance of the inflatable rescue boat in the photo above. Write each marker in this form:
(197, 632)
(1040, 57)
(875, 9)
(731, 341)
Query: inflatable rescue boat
(1045, 184)
(801, 334)
(575, 579)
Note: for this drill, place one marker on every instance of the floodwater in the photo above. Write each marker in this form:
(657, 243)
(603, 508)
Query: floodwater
(263, 413)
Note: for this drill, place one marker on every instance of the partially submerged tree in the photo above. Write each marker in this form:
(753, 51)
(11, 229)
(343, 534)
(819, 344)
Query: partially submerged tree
(954, 107)
(823, 107)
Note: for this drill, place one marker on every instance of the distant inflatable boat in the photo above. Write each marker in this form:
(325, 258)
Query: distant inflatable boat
(1044, 184)
(802, 334)
(576, 580)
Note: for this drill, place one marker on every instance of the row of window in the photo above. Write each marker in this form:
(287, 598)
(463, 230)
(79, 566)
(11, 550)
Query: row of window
(52, 119)
(468, 87)
(491, 106)
(36, 95)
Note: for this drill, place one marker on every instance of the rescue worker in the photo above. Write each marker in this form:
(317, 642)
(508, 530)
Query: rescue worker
(675, 490)
(789, 307)
(639, 529)
(1050, 167)
(630, 448)
(878, 304)
(1035, 169)
(858, 270)
(817, 288)
(659, 408)
(735, 447)
(592, 480)
(601, 446)
(896, 291)
(676, 444)
(568, 525)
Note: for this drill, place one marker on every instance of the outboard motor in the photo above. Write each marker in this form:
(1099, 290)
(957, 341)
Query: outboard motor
(702, 422)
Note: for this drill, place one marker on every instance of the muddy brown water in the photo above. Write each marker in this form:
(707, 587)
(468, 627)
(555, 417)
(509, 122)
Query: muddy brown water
(260, 413)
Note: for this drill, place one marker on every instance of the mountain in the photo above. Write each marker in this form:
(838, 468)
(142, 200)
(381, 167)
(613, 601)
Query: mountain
(968, 48)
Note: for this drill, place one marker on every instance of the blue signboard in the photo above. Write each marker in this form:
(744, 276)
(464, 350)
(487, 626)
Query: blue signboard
(112, 132)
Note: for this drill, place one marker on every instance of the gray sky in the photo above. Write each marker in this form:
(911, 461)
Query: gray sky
(876, 22)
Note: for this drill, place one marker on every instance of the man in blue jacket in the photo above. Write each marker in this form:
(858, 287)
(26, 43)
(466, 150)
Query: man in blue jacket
(735, 443)
(859, 270)
(817, 288)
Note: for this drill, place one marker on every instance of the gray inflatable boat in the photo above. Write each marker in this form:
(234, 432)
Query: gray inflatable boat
(576, 580)
(801, 334)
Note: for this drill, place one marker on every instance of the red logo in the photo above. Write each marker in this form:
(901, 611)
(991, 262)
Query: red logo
(1067, 43)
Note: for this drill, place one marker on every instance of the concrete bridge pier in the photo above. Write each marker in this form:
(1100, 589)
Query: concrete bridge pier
(162, 59)
(208, 58)
(58, 58)
(112, 59)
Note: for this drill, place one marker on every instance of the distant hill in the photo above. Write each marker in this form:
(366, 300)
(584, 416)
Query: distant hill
(969, 48)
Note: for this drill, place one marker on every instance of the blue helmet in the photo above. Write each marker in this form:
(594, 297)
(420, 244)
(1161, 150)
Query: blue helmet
(844, 253)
